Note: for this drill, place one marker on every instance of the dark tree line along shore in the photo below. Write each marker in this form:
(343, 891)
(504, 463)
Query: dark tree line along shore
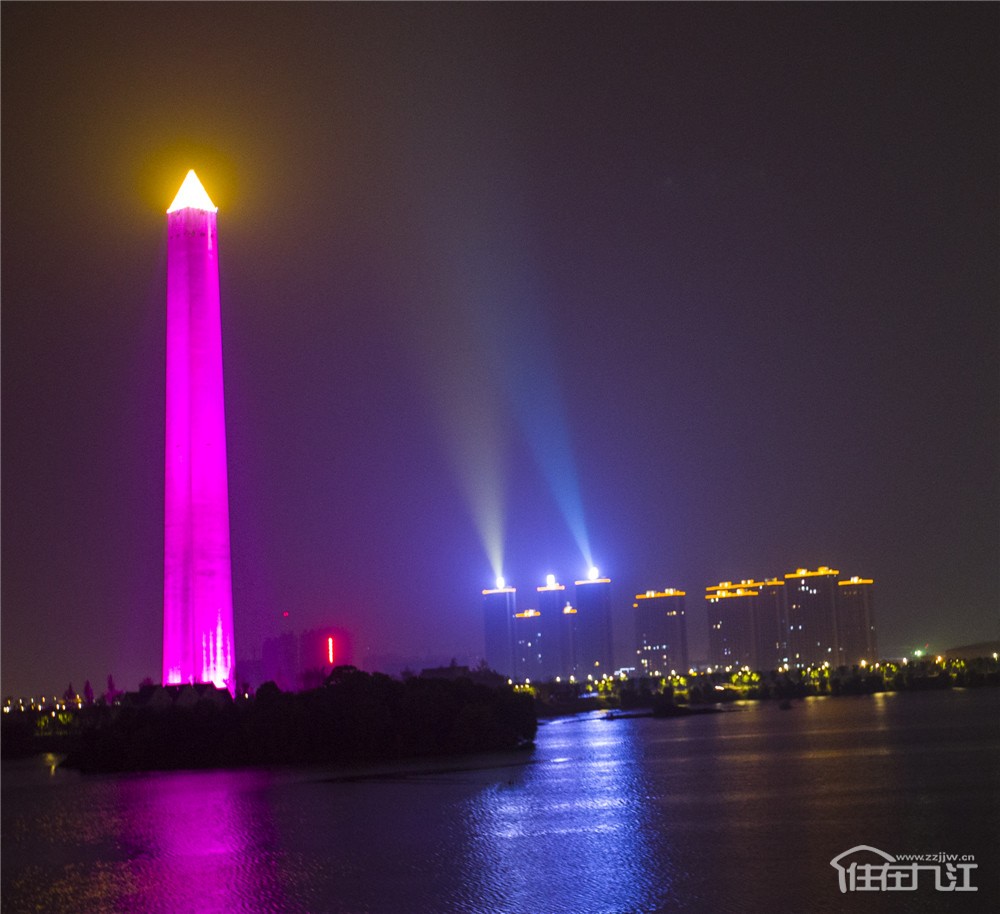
(354, 717)
(357, 717)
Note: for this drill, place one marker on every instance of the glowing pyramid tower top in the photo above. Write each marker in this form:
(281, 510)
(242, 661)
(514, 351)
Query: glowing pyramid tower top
(192, 196)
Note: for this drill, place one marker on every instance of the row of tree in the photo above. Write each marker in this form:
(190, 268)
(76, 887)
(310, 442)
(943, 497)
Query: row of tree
(110, 696)
(353, 717)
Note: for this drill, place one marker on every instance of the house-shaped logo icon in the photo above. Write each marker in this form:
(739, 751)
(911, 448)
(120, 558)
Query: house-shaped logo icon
(847, 873)
(857, 873)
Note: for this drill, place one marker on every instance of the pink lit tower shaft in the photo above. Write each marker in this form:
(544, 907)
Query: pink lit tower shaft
(197, 580)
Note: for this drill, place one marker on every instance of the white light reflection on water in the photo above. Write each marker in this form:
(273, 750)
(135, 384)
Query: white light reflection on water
(572, 834)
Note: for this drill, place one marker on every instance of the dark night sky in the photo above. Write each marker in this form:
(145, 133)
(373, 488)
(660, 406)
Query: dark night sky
(716, 284)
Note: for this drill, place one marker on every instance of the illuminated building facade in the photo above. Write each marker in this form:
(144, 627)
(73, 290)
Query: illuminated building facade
(808, 618)
(528, 646)
(857, 639)
(557, 627)
(660, 632)
(197, 586)
(811, 616)
(499, 607)
(555, 639)
(730, 625)
(593, 649)
(746, 624)
(769, 637)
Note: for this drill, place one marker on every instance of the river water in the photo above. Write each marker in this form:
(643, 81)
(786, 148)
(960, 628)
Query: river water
(740, 811)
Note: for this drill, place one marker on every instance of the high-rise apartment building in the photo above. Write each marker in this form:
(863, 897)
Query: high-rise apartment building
(592, 652)
(499, 607)
(769, 636)
(811, 616)
(730, 624)
(857, 640)
(660, 632)
(528, 646)
(557, 627)
(746, 623)
(554, 639)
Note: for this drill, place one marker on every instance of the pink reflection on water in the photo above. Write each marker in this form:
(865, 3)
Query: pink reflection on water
(202, 846)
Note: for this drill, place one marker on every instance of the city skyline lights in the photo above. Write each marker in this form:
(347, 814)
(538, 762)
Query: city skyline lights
(793, 621)
(502, 299)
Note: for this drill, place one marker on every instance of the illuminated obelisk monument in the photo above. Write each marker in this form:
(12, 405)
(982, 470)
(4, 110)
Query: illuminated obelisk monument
(197, 581)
